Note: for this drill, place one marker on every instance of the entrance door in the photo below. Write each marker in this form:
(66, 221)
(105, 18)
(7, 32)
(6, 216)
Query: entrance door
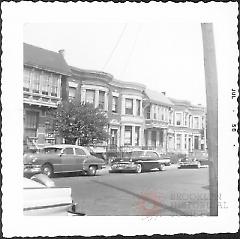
(113, 137)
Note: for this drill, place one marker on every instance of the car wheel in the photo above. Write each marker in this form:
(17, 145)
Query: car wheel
(47, 169)
(139, 168)
(161, 167)
(92, 171)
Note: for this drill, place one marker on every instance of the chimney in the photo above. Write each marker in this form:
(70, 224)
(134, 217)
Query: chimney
(164, 92)
(62, 52)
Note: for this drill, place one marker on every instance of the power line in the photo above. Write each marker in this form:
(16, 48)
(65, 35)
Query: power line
(132, 50)
(118, 40)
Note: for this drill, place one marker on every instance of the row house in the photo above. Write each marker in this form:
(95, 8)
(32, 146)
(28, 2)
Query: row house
(187, 127)
(45, 75)
(138, 117)
(121, 101)
(157, 108)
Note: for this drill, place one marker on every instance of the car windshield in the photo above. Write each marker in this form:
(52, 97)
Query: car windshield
(137, 153)
(51, 150)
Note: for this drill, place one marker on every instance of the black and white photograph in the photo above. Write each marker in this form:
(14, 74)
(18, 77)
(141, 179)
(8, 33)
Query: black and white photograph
(119, 119)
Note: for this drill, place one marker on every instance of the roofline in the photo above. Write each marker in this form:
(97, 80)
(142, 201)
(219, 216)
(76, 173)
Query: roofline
(46, 69)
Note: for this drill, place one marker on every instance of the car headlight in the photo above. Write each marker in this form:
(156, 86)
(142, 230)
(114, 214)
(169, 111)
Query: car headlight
(34, 160)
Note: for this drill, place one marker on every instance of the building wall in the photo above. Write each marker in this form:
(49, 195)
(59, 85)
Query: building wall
(135, 120)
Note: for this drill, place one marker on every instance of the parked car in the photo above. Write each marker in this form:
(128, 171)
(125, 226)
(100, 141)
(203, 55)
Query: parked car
(42, 198)
(188, 163)
(62, 158)
(139, 161)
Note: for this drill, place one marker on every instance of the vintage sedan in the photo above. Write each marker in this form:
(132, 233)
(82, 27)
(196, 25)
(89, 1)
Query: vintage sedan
(188, 163)
(62, 158)
(139, 161)
(42, 198)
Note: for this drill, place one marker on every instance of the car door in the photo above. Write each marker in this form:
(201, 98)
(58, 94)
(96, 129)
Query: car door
(80, 155)
(68, 160)
(151, 160)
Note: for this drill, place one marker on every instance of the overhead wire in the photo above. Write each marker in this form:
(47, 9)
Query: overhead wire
(132, 50)
(115, 47)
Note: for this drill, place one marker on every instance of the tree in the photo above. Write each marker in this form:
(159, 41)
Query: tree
(74, 120)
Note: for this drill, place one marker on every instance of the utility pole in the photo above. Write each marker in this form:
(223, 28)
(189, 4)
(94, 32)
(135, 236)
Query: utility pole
(212, 112)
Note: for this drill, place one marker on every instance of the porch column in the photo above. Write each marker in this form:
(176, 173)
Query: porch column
(175, 141)
(118, 137)
(149, 133)
(158, 138)
(134, 107)
(83, 95)
(133, 136)
(182, 142)
(96, 103)
(164, 139)
(106, 101)
(141, 136)
(122, 136)
(123, 106)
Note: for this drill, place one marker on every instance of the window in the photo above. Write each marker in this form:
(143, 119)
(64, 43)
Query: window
(151, 154)
(45, 83)
(185, 119)
(137, 134)
(154, 138)
(155, 112)
(68, 151)
(178, 141)
(114, 104)
(31, 123)
(54, 85)
(51, 150)
(72, 92)
(128, 135)
(113, 137)
(195, 122)
(178, 119)
(196, 142)
(185, 141)
(190, 121)
(129, 106)
(90, 95)
(26, 79)
(138, 104)
(170, 117)
(161, 113)
(36, 81)
(79, 151)
(101, 99)
(148, 112)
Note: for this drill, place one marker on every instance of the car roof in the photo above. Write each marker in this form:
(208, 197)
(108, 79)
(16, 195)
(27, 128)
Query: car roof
(144, 150)
(63, 146)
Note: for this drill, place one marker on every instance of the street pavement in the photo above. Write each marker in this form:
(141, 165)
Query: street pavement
(173, 192)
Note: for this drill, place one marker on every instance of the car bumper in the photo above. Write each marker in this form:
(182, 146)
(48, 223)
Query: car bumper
(119, 168)
(189, 166)
(30, 169)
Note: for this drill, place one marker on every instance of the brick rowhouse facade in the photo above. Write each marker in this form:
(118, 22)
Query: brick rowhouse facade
(138, 117)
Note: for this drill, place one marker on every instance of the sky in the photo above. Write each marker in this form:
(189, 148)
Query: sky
(164, 56)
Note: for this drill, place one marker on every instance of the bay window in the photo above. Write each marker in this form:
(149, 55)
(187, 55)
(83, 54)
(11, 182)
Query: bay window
(36, 81)
(114, 104)
(45, 83)
(90, 96)
(54, 85)
(101, 99)
(129, 106)
(26, 79)
(138, 104)
(128, 135)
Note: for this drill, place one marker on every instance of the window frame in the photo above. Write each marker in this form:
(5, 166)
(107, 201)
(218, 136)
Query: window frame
(128, 111)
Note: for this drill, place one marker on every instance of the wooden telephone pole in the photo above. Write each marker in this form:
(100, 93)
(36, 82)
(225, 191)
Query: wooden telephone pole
(212, 113)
